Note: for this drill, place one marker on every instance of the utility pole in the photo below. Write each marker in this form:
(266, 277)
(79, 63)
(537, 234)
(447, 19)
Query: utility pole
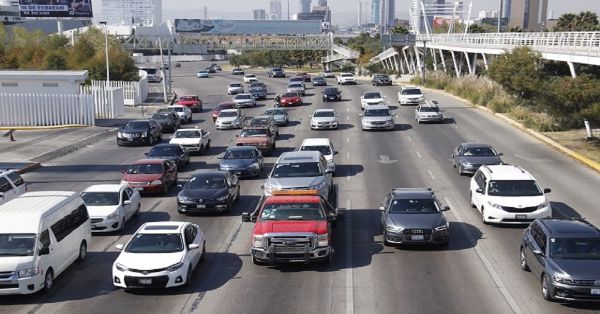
(423, 66)
(162, 63)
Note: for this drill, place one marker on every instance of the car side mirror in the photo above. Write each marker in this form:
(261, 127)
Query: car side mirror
(193, 246)
(537, 252)
(44, 251)
(246, 217)
(145, 154)
(547, 190)
(119, 247)
(180, 186)
(382, 208)
(122, 171)
(479, 190)
(336, 152)
(500, 154)
(360, 114)
(445, 208)
(331, 218)
(127, 202)
(329, 170)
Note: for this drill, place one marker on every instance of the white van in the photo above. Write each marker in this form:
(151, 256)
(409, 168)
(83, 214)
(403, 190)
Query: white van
(41, 234)
(153, 74)
(11, 185)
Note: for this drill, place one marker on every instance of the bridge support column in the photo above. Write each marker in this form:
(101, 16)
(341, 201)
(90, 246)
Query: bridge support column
(572, 69)
(435, 68)
(455, 65)
(419, 64)
(406, 61)
(469, 63)
(485, 62)
(443, 61)
(394, 57)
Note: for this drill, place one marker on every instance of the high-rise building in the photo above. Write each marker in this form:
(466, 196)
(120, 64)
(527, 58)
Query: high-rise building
(205, 13)
(530, 15)
(390, 13)
(305, 6)
(376, 12)
(322, 3)
(120, 12)
(275, 9)
(259, 14)
(360, 21)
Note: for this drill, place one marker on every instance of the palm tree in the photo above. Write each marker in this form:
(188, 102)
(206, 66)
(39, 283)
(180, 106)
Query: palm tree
(566, 23)
(586, 21)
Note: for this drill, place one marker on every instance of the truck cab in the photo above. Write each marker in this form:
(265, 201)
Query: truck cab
(292, 227)
(259, 137)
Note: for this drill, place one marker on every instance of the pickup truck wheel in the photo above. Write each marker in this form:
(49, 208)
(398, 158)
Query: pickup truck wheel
(48, 279)
(257, 262)
(385, 241)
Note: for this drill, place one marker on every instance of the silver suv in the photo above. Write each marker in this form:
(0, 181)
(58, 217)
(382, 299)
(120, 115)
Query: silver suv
(377, 117)
(428, 112)
(300, 170)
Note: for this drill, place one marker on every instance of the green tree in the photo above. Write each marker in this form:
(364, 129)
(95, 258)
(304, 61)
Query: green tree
(583, 22)
(571, 100)
(55, 61)
(399, 30)
(519, 72)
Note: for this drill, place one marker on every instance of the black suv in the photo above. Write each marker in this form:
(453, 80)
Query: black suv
(276, 72)
(564, 254)
(169, 121)
(138, 132)
(332, 94)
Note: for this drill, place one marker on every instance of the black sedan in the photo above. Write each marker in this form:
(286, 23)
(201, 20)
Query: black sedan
(173, 152)
(139, 132)
(319, 81)
(169, 121)
(208, 192)
(332, 94)
(211, 70)
(468, 157)
(243, 161)
(381, 79)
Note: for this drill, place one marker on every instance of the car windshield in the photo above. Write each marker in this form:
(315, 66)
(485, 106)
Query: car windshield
(162, 116)
(100, 198)
(382, 76)
(479, 151)
(256, 85)
(412, 91)
(302, 169)
(514, 188)
(330, 91)
(239, 154)
(297, 79)
(164, 151)
(155, 243)
(136, 125)
(295, 86)
(145, 169)
(250, 75)
(575, 248)
(17, 244)
(243, 96)
(347, 75)
(430, 109)
(293, 211)
(253, 132)
(228, 114)
(187, 134)
(187, 98)
(319, 114)
(290, 95)
(414, 206)
(225, 106)
(275, 112)
(235, 85)
(377, 113)
(323, 149)
(206, 182)
(259, 121)
(372, 95)
(176, 109)
(204, 72)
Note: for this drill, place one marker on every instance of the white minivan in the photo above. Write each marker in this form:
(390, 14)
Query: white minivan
(11, 185)
(41, 234)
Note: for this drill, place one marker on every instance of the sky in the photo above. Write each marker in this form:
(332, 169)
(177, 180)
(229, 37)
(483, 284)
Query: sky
(344, 12)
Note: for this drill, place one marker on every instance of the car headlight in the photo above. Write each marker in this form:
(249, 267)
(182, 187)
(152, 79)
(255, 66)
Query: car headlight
(120, 267)
(255, 166)
(442, 227)
(113, 215)
(30, 272)
(258, 240)
(222, 198)
(175, 267)
(393, 229)
(119, 134)
(144, 134)
(269, 188)
(560, 278)
(156, 182)
(323, 240)
(319, 186)
(183, 198)
(543, 205)
(497, 206)
(467, 164)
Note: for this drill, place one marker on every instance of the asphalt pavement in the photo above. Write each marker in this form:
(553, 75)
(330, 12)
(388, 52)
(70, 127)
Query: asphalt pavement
(478, 273)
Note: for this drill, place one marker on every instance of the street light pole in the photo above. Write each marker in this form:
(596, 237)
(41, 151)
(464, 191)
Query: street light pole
(106, 52)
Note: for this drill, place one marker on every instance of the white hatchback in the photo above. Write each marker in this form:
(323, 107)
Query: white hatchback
(110, 206)
(159, 255)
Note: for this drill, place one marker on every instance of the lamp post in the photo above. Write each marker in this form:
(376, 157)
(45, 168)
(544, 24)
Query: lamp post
(106, 52)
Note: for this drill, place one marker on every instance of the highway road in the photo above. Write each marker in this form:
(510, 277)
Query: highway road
(478, 273)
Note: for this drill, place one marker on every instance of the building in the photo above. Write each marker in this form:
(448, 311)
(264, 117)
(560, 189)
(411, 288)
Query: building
(275, 10)
(259, 14)
(305, 6)
(487, 14)
(389, 14)
(42, 82)
(205, 13)
(322, 14)
(119, 12)
(529, 15)
(322, 3)
(9, 12)
(376, 12)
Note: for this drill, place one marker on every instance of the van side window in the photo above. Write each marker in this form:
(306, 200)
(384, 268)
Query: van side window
(125, 196)
(5, 186)
(69, 223)
(45, 239)
(16, 178)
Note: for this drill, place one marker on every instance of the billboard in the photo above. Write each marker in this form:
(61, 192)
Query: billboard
(56, 8)
(247, 27)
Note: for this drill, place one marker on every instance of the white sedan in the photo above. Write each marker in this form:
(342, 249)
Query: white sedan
(159, 255)
(250, 78)
(110, 206)
(371, 98)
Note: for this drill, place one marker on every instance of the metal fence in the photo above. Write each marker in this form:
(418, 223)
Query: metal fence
(134, 93)
(46, 109)
(108, 103)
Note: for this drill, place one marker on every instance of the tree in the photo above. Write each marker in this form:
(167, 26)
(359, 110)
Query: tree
(566, 23)
(571, 100)
(519, 72)
(584, 22)
(55, 61)
(399, 30)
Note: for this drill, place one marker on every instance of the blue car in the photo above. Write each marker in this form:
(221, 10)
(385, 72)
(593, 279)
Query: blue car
(243, 161)
(202, 74)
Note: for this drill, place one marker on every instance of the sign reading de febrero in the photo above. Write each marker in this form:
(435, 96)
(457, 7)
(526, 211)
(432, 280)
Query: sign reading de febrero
(56, 8)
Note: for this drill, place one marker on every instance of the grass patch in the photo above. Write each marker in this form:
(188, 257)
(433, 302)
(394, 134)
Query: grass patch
(576, 141)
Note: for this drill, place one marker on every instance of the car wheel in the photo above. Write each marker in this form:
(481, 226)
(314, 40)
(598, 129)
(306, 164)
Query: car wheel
(523, 260)
(160, 138)
(165, 190)
(122, 224)
(82, 252)
(48, 279)
(207, 146)
(483, 219)
(547, 292)
(137, 211)
(203, 254)
(385, 241)
(188, 277)
(460, 170)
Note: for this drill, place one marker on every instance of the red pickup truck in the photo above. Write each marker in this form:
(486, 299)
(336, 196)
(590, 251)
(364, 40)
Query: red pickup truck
(292, 226)
(191, 101)
(259, 137)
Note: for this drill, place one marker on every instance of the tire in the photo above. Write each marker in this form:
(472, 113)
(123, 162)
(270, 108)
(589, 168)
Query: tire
(122, 225)
(188, 276)
(165, 190)
(385, 241)
(471, 200)
(82, 252)
(137, 211)
(203, 254)
(48, 279)
(460, 170)
(207, 146)
(523, 260)
(546, 293)
(485, 222)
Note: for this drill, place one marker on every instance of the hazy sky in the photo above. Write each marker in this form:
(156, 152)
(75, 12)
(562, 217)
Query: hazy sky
(344, 12)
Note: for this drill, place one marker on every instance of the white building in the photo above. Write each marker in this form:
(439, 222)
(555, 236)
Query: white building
(275, 10)
(127, 12)
(41, 82)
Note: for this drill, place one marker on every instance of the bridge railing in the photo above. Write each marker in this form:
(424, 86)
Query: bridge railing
(580, 43)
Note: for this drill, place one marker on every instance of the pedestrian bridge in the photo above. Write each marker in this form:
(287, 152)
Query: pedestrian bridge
(464, 49)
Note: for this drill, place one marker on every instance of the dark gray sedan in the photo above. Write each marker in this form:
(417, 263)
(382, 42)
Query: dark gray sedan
(413, 216)
(468, 157)
(280, 115)
(173, 152)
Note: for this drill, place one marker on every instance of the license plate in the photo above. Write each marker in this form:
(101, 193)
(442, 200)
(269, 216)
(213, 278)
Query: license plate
(200, 206)
(130, 139)
(521, 216)
(595, 291)
(146, 281)
(139, 189)
(237, 172)
(418, 237)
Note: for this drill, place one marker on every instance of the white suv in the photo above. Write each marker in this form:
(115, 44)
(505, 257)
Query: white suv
(507, 194)
(324, 146)
(410, 95)
(11, 185)
(346, 78)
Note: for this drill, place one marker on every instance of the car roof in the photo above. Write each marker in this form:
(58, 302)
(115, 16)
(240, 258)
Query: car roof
(315, 142)
(29, 208)
(325, 110)
(208, 172)
(569, 227)
(232, 84)
(176, 106)
(188, 96)
(264, 116)
(190, 129)
(160, 227)
(229, 110)
(299, 156)
(146, 120)
(165, 145)
(410, 87)
(506, 172)
(475, 144)
(243, 94)
(149, 162)
(412, 193)
(377, 107)
(105, 188)
(240, 148)
(346, 73)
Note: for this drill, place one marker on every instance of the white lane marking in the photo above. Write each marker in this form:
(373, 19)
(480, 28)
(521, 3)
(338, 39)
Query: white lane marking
(409, 139)
(486, 262)
(348, 109)
(347, 117)
(431, 174)
(349, 267)
(347, 139)
(348, 155)
(418, 154)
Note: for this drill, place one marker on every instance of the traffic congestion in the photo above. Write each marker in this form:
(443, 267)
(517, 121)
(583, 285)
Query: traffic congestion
(308, 181)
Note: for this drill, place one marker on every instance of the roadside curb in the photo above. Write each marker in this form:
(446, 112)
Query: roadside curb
(39, 128)
(61, 151)
(29, 167)
(539, 136)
